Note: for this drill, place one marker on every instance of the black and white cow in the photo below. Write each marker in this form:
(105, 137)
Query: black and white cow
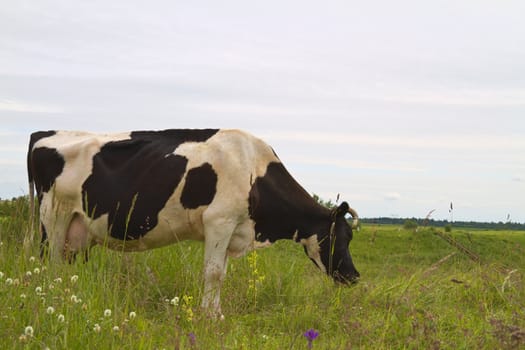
(140, 190)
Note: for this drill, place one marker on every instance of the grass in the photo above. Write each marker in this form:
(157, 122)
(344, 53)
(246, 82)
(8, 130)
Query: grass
(414, 293)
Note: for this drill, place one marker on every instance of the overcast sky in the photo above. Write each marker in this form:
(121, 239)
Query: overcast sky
(400, 106)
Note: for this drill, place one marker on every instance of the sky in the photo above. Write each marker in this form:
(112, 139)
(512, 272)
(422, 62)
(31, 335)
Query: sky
(401, 107)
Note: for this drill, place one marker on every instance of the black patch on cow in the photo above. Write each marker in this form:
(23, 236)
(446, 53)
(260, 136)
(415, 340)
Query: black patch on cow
(279, 206)
(132, 180)
(200, 187)
(46, 164)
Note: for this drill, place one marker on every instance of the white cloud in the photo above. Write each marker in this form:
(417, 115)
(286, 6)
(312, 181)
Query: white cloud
(16, 106)
(392, 196)
(439, 141)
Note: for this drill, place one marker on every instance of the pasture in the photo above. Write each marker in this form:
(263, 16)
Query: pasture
(416, 292)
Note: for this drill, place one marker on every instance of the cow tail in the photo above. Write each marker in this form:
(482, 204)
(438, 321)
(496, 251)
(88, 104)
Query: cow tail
(30, 234)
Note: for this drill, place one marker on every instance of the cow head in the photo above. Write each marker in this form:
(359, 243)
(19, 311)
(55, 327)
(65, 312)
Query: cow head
(335, 253)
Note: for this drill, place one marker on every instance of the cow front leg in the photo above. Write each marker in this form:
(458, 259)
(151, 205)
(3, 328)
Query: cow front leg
(215, 265)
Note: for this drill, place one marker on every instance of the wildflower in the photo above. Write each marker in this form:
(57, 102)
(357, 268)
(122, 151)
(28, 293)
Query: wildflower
(16, 281)
(192, 338)
(310, 335)
(36, 271)
(51, 286)
(116, 328)
(1, 274)
(38, 290)
(22, 338)
(28, 331)
(9, 281)
(29, 273)
(75, 299)
(174, 301)
(74, 278)
(132, 315)
(22, 296)
(96, 328)
(61, 318)
(58, 280)
(187, 301)
(107, 313)
(32, 259)
(50, 310)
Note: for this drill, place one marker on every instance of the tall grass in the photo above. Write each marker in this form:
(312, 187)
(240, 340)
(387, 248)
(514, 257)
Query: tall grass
(408, 297)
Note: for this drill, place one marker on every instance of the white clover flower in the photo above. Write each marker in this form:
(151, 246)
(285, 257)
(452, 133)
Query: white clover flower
(36, 271)
(116, 329)
(1, 274)
(57, 280)
(61, 318)
(22, 296)
(9, 281)
(174, 301)
(132, 315)
(50, 310)
(28, 331)
(96, 328)
(16, 281)
(32, 259)
(38, 290)
(29, 273)
(75, 299)
(74, 278)
(107, 313)
(51, 286)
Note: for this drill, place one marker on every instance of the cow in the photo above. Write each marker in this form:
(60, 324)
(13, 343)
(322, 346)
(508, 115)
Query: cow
(140, 190)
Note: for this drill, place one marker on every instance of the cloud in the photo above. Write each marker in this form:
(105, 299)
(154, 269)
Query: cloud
(353, 164)
(441, 141)
(16, 106)
(392, 196)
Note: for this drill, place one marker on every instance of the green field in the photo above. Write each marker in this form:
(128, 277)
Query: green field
(416, 292)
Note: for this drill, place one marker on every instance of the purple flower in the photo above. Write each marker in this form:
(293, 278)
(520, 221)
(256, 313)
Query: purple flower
(192, 338)
(310, 335)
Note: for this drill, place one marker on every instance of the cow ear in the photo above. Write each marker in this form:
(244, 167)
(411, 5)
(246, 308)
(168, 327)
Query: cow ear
(342, 209)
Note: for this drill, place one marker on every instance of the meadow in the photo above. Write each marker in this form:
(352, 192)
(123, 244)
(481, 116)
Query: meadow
(416, 292)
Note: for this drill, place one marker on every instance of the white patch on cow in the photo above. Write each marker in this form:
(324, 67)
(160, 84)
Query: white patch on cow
(313, 250)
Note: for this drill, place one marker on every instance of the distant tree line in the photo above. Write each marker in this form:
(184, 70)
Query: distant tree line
(444, 223)
(412, 223)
